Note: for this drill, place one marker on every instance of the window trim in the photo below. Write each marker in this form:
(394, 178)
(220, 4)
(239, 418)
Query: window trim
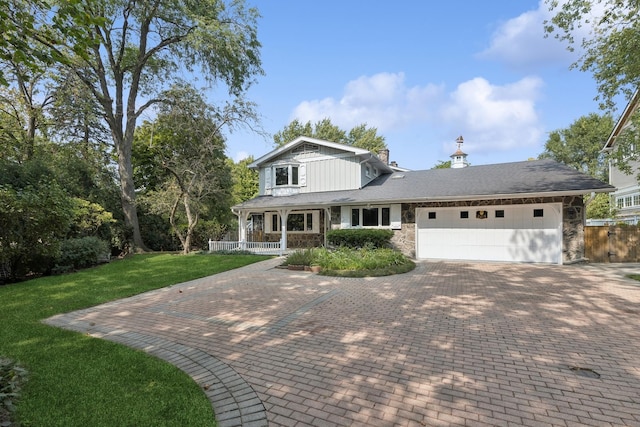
(275, 226)
(381, 216)
(290, 175)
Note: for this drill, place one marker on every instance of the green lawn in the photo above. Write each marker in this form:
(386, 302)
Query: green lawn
(76, 380)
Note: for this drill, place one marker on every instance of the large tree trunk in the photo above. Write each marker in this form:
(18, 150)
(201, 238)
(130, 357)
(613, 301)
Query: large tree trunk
(128, 195)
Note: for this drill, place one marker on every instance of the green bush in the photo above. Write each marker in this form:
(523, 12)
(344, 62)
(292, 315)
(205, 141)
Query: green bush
(12, 377)
(81, 253)
(360, 238)
(301, 257)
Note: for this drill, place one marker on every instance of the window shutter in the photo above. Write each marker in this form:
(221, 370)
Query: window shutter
(267, 178)
(396, 216)
(316, 221)
(302, 175)
(345, 216)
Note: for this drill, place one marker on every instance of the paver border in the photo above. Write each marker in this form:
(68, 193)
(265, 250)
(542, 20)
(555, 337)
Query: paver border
(234, 401)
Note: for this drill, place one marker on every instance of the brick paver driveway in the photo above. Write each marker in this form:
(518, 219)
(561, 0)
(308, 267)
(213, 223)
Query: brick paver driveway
(447, 344)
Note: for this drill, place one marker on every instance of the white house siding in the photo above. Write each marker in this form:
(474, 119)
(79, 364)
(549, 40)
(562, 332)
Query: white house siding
(327, 174)
(620, 179)
(324, 172)
(626, 198)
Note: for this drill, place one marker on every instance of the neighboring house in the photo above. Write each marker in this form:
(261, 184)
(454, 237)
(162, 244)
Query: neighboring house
(626, 198)
(529, 211)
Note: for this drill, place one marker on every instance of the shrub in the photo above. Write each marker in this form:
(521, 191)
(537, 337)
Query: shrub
(301, 257)
(360, 238)
(12, 377)
(362, 262)
(81, 253)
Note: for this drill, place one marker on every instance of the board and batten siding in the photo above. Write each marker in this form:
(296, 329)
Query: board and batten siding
(332, 174)
(323, 172)
(621, 180)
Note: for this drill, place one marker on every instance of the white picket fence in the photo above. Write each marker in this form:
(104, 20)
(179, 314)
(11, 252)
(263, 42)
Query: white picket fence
(265, 248)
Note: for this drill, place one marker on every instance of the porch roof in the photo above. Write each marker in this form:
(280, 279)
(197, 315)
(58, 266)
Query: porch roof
(538, 178)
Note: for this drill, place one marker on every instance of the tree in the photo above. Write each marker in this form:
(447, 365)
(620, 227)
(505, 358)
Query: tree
(184, 151)
(580, 147)
(126, 52)
(610, 50)
(442, 164)
(22, 107)
(360, 136)
(35, 215)
(245, 180)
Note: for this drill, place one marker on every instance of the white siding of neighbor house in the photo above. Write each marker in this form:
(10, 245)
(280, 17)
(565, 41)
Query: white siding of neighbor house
(620, 179)
(326, 170)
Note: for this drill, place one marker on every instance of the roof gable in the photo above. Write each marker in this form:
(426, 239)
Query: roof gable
(631, 107)
(304, 140)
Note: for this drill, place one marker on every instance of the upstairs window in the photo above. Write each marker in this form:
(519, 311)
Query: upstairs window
(286, 175)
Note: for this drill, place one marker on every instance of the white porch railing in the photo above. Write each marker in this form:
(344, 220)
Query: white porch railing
(266, 248)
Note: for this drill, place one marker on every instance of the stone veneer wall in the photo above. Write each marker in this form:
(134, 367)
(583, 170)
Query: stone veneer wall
(572, 227)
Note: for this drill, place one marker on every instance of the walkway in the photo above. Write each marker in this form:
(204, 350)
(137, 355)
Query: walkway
(447, 344)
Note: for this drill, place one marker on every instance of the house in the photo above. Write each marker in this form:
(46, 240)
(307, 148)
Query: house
(626, 198)
(528, 211)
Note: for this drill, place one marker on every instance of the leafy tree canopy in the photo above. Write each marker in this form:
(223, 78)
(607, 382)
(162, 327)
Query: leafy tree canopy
(610, 50)
(580, 145)
(442, 164)
(360, 136)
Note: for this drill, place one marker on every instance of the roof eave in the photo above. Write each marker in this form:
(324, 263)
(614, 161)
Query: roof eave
(622, 121)
(434, 199)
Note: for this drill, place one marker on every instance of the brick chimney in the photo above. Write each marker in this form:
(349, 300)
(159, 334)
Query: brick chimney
(384, 155)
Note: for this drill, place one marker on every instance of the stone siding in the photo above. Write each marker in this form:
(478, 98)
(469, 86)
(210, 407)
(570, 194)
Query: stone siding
(572, 227)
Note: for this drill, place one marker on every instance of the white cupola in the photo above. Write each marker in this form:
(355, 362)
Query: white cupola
(459, 158)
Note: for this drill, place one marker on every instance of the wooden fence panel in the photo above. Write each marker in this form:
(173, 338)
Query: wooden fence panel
(612, 243)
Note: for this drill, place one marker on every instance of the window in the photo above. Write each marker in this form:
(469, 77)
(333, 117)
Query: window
(367, 171)
(286, 175)
(355, 217)
(464, 214)
(636, 200)
(500, 213)
(371, 217)
(620, 202)
(432, 215)
(297, 222)
(627, 202)
(538, 213)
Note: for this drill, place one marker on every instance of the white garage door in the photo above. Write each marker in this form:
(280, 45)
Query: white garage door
(517, 233)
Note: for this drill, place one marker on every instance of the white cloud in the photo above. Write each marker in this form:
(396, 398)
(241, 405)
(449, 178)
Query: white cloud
(382, 101)
(520, 42)
(494, 117)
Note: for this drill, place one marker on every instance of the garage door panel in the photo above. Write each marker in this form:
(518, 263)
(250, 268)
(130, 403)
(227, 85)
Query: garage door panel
(517, 236)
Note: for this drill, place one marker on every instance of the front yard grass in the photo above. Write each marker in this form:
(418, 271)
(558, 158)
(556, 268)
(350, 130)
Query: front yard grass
(77, 380)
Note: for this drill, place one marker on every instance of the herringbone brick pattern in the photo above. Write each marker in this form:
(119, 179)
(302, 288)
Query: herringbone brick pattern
(447, 344)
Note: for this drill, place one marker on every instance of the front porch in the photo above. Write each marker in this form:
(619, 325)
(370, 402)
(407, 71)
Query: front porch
(277, 231)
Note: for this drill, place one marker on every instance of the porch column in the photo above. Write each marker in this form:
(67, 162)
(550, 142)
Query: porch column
(242, 230)
(284, 214)
(327, 223)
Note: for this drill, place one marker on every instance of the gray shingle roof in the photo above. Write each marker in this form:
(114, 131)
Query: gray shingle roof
(518, 179)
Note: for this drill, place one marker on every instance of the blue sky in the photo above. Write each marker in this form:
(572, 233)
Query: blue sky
(421, 72)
